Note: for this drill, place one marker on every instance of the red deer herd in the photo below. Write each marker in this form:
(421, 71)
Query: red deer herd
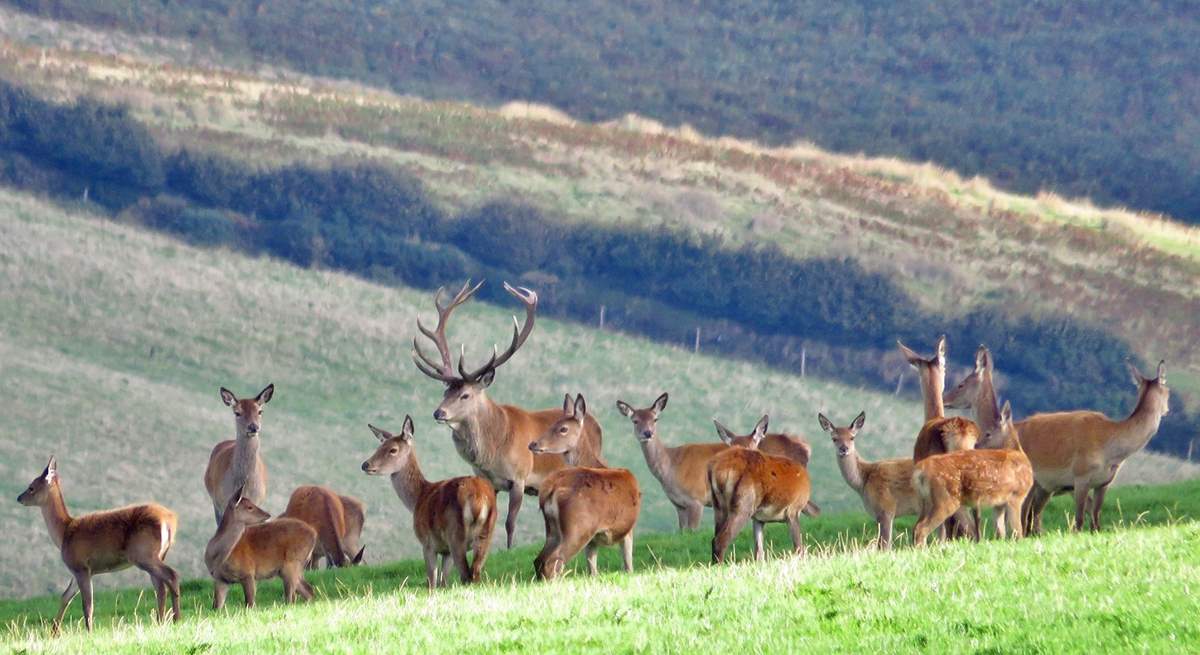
(958, 467)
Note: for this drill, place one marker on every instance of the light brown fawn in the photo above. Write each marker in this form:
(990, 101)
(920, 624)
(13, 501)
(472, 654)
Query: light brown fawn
(236, 464)
(323, 510)
(996, 478)
(247, 548)
(450, 517)
(1082, 451)
(885, 486)
(747, 484)
(585, 507)
(102, 542)
(683, 470)
(494, 439)
(939, 433)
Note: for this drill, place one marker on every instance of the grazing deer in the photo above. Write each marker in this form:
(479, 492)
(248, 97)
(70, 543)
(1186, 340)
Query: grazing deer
(494, 439)
(450, 517)
(747, 484)
(939, 434)
(247, 548)
(236, 464)
(996, 478)
(356, 516)
(1082, 451)
(585, 507)
(683, 470)
(885, 486)
(101, 542)
(324, 511)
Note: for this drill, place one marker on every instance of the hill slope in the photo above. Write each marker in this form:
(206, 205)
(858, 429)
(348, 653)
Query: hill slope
(1123, 589)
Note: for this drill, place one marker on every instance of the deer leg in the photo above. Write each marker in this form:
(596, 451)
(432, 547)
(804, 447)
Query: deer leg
(760, 552)
(977, 523)
(1033, 507)
(591, 550)
(681, 511)
(430, 566)
(998, 519)
(567, 549)
(1081, 498)
(1097, 500)
(458, 552)
(84, 580)
(797, 535)
(220, 590)
(627, 551)
(886, 522)
(288, 575)
(443, 569)
(935, 516)
(735, 519)
(516, 493)
(1012, 513)
(482, 544)
(68, 595)
(249, 588)
(305, 589)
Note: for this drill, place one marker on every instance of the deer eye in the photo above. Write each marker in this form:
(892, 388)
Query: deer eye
(394, 451)
(465, 396)
(562, 430)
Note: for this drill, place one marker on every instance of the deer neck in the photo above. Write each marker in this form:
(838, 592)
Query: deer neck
(987, 413)
(54, 511)
(1137, 430)
(932, 387)
(482, 433)
(658, 458)
(852, 470)
(410, 484)
(229, 533)
(245, 459)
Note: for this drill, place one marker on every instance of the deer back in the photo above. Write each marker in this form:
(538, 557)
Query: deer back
(458, 508)
(113, 539)
(264, 548)
(589, 500)
(321, 508)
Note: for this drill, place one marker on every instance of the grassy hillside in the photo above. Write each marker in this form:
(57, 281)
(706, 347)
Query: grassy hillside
(1092, 99)
(1127, 588)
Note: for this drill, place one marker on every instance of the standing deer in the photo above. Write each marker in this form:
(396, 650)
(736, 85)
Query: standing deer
(885, 486)
(585, 507)
(450, 517)
(683, 470)
(494, 439)
(977, 393)
(247, 548)
(102, 542)
(236, 464)
(939, 434)
(997, 478)
(747, 484)
(1082, 451)
(324, 511)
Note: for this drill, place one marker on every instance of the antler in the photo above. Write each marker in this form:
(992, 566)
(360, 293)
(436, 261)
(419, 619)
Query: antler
(443, 372)
(529, 298)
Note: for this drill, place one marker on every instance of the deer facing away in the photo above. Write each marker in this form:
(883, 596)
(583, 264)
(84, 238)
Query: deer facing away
(330, 515)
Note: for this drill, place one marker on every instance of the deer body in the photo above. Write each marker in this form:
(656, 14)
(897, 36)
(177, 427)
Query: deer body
(1083, 451)
(997, 478)
(324, 511)
(247, 548)
(102, 542)
(450, 517)
(885, 486)
(236, 464)
(583, 506)
(747, 484)
(494, 439)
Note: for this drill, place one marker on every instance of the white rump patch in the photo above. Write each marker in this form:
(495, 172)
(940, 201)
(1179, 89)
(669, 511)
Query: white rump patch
(165, 534)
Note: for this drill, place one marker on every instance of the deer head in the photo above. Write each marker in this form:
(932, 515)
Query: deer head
(393, 452)
(247, 412)
(963, 395)
(843, 438)
(645, 421)
(1152, 390)
(243, 511)
(39, 490)
(562, 436)
(750, 441)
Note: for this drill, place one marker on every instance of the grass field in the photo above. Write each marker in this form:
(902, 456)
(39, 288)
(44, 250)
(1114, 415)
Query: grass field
(1130, 588)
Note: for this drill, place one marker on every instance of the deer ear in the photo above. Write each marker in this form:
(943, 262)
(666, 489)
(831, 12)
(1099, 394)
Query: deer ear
(760, 430)
(983, 359)
(660, 403)
(911, 355)
(264, 396)
(407, 430)
(487, 379)
(1134, 373)
(1161, 376)
(237, 495)
(567, 407)
(857, 423)
(381, 435)
(51, 471)
(1006, 412)
(580, 407)
(940, 354)
(228, 397)
(624, 408)
(826, 424)
(723, 432)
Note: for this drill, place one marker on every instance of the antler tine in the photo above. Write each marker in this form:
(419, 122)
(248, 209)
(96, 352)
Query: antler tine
(445, 370)
(432, 371)
(529, 298)
(475, 375)
(418, 353)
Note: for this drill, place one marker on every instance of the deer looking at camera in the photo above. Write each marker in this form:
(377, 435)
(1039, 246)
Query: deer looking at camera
(885, 486)
(494, 439)
(683, 470)
(337, 520)
(747, 484)
(235, 464)
(998, 478)
(584, 506)
(1082, 451)
(450, 517)
(102, 542)
(939, 434)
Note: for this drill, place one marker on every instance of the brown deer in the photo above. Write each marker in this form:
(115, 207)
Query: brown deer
(323, 510)
(1082, 451)
(247, 548)
(977, 393)
(102, 542)
(885, 486)
(683, 470)
(747, 484)
(356, 516)
(939, 434)
(585, 507)
(997, 478)
(494, 439)
(450, 517)
(236, 464)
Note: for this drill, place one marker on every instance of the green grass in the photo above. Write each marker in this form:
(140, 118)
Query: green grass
(1130, 587)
